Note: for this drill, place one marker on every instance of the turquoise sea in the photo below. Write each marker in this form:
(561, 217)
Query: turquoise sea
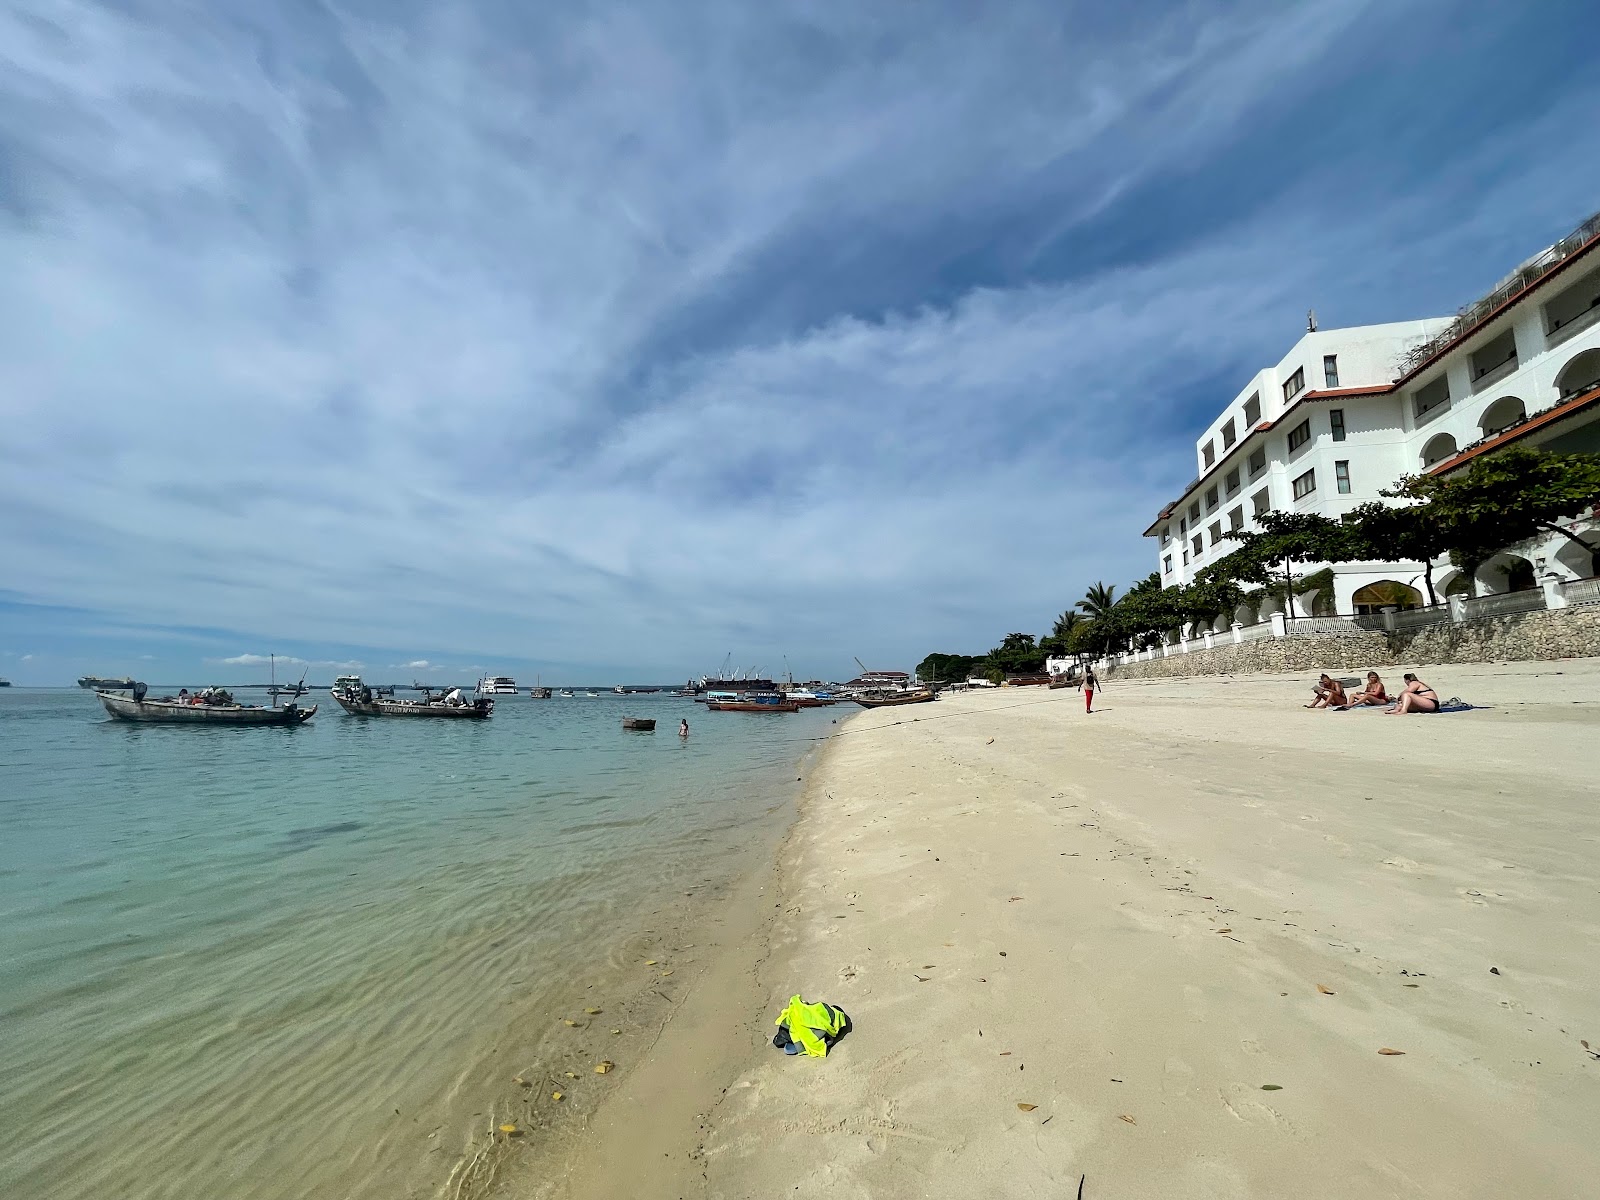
(306, 962)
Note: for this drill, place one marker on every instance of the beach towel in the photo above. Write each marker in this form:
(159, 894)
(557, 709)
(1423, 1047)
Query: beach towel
(1454, 704)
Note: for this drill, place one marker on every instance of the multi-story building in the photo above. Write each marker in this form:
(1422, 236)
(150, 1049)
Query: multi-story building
(1347, 412)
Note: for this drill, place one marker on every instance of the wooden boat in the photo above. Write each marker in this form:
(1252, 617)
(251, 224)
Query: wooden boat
(169, 711)
(640, 724)
(356, 698)
(782, 706)
(893, 701)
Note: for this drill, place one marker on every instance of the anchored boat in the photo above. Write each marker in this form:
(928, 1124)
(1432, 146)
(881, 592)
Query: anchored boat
(210, 707)
(892, 701)
(356, 697)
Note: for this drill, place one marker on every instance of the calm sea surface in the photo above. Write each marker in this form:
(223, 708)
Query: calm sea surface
(291, 962)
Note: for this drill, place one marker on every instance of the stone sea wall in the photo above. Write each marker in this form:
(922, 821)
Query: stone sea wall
(1357, 651)
(1549, 634)
(1554, 633)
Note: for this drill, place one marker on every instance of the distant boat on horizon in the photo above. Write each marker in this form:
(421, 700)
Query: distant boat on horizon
(498, 685)
(94, 683)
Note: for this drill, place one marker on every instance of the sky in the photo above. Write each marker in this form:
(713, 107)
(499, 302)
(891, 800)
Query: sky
(610, 341)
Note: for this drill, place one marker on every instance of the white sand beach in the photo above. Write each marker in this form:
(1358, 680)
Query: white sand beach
(1184, 929)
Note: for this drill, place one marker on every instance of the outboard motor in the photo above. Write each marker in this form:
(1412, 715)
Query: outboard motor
(139, 691)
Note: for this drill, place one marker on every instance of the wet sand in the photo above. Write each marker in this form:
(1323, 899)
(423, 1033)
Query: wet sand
(1183, 928)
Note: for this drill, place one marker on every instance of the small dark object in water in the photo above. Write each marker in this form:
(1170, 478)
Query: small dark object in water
(1494, 970)
(639, 724)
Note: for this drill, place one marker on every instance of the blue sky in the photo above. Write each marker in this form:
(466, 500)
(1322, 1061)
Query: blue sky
(598, 341)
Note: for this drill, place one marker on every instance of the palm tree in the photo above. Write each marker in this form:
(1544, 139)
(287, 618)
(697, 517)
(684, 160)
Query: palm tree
(1066, 623)
(1097, 601)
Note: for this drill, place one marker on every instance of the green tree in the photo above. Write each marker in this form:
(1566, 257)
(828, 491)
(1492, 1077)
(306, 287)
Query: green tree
(1504, 498)
(1018, 654)
(946, 668)
(1408, 533)
(1065, 624)
(1097, 601)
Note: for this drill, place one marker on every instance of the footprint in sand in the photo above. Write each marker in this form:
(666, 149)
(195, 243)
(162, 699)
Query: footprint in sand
(1403, 864)
(1178, 1079)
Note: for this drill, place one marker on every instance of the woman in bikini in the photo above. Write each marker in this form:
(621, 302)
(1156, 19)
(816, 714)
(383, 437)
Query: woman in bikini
(1416, 696)
(1373, 695)
(1329, 693)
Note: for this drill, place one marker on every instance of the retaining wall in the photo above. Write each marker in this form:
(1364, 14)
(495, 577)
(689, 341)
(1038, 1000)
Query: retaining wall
(1547, 634)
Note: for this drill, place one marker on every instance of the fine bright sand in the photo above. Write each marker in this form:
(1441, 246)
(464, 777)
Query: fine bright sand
(1185, 929)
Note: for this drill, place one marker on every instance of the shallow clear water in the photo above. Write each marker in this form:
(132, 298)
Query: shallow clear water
(227, 957)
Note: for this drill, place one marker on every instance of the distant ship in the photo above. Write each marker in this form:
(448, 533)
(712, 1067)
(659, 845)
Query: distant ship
(498, 685)
(5, 683)
(94, 683)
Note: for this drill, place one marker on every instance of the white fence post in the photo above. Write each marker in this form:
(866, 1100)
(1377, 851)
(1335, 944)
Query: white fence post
(1236, 628)
(1209, 642)
(1278, 625)
(1554, 597)
(1458, 608)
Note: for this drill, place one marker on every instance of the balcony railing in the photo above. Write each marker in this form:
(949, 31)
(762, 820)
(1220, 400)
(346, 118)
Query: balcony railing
(1524, 277)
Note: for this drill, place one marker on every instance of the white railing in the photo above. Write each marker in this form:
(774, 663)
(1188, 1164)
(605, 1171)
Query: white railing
(1416, 618)
(1504, 604)
(1581, 591)
(1321, 626)
(1254, 633)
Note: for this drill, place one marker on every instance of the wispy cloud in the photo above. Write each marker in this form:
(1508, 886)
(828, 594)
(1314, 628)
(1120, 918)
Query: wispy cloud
(629, 335)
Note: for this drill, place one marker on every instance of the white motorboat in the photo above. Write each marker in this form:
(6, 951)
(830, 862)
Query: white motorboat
(498, 685)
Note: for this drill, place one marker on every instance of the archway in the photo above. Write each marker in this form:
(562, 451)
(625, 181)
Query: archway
(1501, 415)
(1439, 447)
(1506, 572)
(1582, 374)
(1583, 563)
(1460, 584)
(1385, 593)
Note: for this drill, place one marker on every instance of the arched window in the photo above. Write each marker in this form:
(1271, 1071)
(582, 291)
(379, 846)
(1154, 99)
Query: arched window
(1582, 374)
(1502, 414)
(1386, 593)
(1440, 447)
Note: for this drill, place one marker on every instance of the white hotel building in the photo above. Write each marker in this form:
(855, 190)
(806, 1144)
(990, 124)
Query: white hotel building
(1347, 412)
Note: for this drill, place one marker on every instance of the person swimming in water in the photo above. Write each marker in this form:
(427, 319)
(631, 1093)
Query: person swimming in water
(683, 728)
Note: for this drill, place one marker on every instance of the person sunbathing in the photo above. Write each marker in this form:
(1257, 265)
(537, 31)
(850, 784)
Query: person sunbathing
(1416, 696)
(1374, 693)
(1329, 693)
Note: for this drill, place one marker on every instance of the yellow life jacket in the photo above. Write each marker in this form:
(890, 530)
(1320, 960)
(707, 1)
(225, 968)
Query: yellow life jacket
(807, 1021)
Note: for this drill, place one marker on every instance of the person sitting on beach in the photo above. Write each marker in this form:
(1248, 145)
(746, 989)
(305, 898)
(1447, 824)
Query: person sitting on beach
(1329, 693)
(1374, 693)
(1416, 696)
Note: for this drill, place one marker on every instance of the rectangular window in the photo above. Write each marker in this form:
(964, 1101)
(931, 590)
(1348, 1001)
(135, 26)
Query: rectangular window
(1194, 513)
(1166, 564)
(1341, 476)
(1260, 502)
(1228, 437)
(1186, 558)
(1236, 519)
(1208, 453)
(1231, 482)
(1330, 369)
(1183, 526)
(1305, 485)
(1295, 385)
(1252, 410)
(1166, 537)
(1299, 435)
(1211, 499)
(1199, 546)
(1216, 532)
(1336, 423)
(1258, 462)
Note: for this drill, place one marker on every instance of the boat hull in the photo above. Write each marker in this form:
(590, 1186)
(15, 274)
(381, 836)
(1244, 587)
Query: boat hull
(896, 701)
(164, 712)
(639, 724)
(750, 706)
(413, 708)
